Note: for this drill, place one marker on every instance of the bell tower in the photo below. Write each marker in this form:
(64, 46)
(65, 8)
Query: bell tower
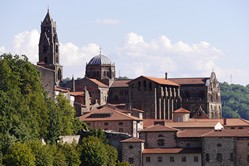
(49, 56)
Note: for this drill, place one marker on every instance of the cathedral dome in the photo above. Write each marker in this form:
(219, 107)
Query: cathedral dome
(100, 60)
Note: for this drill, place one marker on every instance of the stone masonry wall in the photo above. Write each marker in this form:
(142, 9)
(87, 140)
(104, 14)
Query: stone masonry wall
(242, 152)
(132, 153)
(215, 146)
(151, 139)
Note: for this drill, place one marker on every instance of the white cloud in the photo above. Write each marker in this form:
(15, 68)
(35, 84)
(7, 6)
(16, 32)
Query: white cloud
(108, 21)
(161, 55)
(2, 50)
(26, 43)
(137, 56)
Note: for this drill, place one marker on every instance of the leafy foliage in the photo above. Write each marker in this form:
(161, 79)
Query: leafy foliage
(235, 100)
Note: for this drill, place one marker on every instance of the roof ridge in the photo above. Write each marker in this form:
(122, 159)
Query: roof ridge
(129, 116)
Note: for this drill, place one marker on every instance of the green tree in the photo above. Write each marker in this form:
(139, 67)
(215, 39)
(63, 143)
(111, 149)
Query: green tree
(42, 153)
(71, 154)
(61, 119)
(93, 152)
(112, 154)
(123, 164)
(19, 154)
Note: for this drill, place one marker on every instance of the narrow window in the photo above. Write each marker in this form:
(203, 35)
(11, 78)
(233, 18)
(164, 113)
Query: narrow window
(120, 123)
(130, 147)
(231, 157)
(219, 157)
(207, 157)
(144, 85)
(171, 159)
(131, 160)
(247, 158)
(196, 159)
(106, 124)
(148, 159)
(159, 159)
(150, 86)
(139, 85)
(184, 158)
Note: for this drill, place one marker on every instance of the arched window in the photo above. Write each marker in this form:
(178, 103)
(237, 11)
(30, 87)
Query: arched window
(139, 85)
(45, 60)
(59, 75)
(144, 84)
(160, 140)
(150, 86)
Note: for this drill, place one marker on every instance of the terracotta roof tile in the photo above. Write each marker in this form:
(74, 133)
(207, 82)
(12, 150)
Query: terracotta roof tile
(228, 133)
(120, 83)
(181, 110)
(132, 140)
(61, 89)
(171, 150)
(106, 113)
(189, 81)
(159, 128)
(79, 93)
(162, 81)
(192, 133)
(98, 82)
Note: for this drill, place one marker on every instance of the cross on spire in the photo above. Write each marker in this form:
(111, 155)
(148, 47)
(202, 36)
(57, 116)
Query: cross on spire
(100, 48)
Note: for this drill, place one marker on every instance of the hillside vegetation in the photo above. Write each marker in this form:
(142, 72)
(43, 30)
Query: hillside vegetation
(235, 100)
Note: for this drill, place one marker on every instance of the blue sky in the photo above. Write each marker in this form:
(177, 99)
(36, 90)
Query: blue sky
(142, 37)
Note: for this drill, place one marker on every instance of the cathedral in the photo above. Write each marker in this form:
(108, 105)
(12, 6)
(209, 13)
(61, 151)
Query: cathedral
(157, 97)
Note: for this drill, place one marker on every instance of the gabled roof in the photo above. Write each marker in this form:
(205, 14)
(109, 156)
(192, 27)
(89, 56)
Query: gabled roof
(190, 81)
(61, 89)
(181, 110)
(132, 140)
(160, 81)
(98, 83)
(120, 83)
(171, 150)
(159, 128)
(106, 113)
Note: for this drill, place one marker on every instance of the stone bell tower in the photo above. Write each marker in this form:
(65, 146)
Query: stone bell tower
(49, 56)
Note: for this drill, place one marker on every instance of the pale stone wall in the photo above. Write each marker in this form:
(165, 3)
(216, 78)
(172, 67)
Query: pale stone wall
(177, 159)
(151, 139)
(214, 146)
(70, 139)
(242, 152)
(132, 151)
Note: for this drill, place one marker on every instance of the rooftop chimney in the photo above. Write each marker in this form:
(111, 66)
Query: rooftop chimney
(166, 76)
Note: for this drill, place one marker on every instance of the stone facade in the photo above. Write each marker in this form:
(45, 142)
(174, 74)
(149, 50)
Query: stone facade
(201, 92)
(190, 159)
(242, 152)
(47, 80)
(49, 56)
(132, 151)
(102, 69)
(158, 98)
(159, 139)
(218, 151)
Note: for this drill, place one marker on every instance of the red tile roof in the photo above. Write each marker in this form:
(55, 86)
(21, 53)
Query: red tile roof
(197, 133)
(199, 123)
(181, 110)
(120, 83)
(159, 128)
(161, 81)
(98, 83)
(189, 81)
(171, 150)
(132, 140)
(61, 89)
(79, 93)
(113, 115)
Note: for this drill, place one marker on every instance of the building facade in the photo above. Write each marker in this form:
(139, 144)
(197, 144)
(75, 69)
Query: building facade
(157, 97)
(49, 55)
(201, 93)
